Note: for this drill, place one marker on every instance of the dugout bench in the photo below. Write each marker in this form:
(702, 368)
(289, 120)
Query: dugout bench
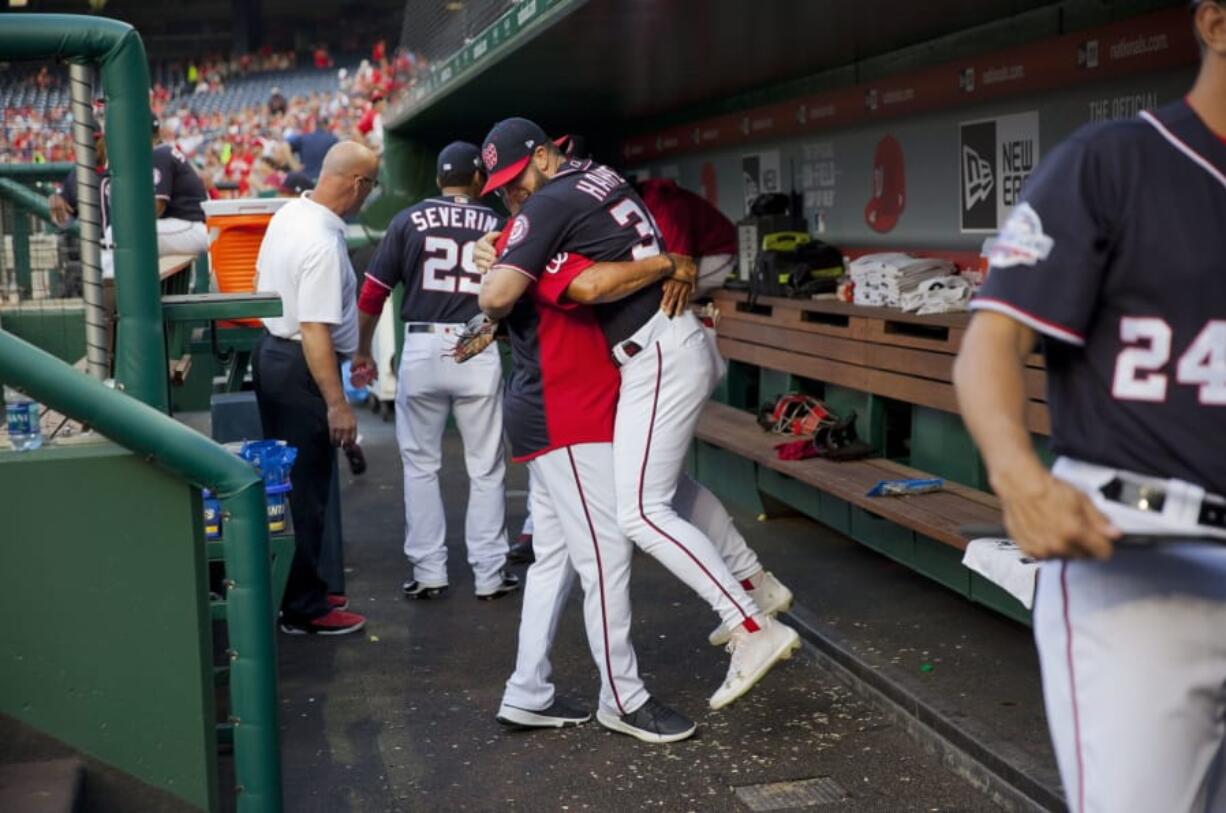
(894, 370)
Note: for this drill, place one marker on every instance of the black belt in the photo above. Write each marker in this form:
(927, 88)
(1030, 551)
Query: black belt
(429, 327)
(1147, 497)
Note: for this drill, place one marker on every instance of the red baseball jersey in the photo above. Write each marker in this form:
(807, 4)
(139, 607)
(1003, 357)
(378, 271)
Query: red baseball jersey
(689, 224)
(563, 386)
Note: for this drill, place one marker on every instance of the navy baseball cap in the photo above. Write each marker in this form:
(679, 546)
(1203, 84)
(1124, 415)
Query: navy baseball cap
(456, 156)
(295, 183)
(507, 150)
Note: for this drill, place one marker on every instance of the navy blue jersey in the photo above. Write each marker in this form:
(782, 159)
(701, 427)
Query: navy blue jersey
(429, 248)
(175, 182)
(104, 190)
(588, 209)
(1117, 255)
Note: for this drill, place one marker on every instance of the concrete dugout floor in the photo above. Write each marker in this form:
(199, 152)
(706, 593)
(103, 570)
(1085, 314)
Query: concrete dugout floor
(401, 716)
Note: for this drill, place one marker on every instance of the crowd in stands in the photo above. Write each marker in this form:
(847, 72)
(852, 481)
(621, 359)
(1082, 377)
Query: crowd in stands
(245, 149)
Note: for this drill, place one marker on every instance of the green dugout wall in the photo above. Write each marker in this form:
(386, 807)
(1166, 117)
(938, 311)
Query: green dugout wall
(107, 644)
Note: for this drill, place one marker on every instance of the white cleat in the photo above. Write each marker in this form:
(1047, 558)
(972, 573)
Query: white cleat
(771, 596)
(753, 655)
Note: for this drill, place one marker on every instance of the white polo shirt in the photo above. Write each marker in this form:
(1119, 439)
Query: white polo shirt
(304, 259)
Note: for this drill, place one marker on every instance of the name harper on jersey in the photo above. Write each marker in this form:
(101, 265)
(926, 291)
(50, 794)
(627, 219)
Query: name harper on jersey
(599, 182)
(454, 217)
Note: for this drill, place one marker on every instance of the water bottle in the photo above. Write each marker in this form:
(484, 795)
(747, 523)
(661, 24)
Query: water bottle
(21, 415)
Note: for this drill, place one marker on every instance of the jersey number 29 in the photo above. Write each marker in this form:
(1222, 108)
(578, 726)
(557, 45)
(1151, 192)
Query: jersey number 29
(1137, 369)
(443, 274)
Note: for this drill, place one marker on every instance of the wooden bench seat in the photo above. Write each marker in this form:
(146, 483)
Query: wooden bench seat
(881, 351)
(937, 514)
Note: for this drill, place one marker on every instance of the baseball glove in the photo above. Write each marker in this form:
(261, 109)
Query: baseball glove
(476, 335)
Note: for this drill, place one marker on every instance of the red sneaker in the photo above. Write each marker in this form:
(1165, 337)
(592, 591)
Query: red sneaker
(337, 601)
(336, 622)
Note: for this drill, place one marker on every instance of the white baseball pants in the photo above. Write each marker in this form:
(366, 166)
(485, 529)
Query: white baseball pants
(663, 389)
(177, 236)
(430, 387)
(576, 532)
(1133, 655)
(695, 503)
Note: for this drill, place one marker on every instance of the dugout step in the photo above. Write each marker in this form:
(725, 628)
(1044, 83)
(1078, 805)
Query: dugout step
(52, 786)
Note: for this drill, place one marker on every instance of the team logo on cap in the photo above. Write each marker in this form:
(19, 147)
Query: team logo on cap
(490, 155)
(519, 230)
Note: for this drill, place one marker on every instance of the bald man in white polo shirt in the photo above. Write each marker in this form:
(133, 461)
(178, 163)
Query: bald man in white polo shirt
(296, 366)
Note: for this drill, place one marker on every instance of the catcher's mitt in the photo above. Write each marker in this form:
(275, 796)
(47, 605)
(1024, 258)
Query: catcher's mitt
(476, 335)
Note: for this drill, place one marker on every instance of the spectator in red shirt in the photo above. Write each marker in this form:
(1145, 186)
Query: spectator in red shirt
(692, 226)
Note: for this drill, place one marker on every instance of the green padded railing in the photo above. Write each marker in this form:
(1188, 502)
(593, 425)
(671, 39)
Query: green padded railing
(31, 173)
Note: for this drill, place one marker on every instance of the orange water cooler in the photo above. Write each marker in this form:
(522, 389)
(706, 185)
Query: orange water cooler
(236, 229)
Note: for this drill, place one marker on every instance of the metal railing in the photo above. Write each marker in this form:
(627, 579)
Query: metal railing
(195, 458)
(136, 418)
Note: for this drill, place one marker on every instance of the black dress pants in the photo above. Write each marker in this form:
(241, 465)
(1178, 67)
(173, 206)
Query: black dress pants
(293, 410)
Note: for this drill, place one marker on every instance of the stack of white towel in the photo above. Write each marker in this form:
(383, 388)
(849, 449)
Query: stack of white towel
(882, 280)
(938, 295)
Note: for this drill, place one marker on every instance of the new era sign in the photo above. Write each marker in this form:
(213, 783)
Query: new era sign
(994, 158)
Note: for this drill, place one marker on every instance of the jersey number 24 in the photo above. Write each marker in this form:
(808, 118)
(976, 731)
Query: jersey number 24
(1138, 375)
(442, 273)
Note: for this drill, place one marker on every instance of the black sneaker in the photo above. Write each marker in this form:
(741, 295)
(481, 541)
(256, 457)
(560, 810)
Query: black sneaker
(652, 722)
(416, 590)
(509, 584)
(520, 552)
(559, 715)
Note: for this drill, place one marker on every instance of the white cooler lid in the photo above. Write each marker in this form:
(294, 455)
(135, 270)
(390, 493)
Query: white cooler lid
(242, 206)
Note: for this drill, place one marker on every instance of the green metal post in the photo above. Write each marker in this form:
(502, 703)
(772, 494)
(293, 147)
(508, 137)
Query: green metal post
(21, 254)
(194, 457)
(140, 352)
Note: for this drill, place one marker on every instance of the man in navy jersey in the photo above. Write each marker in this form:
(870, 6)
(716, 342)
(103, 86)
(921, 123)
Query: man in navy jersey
(567, 207)
(1116, 257)
(428, 248)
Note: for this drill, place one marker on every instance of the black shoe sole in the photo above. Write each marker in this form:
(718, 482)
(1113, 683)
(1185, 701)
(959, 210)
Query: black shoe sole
(511, 725)
(536, 721)
(499, 593)
(427, 594)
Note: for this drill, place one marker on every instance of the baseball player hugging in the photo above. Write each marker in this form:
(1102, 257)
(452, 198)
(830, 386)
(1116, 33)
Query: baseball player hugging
(428, 248)
(568, 209)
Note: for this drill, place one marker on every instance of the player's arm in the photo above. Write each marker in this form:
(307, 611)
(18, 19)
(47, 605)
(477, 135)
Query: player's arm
(611, 281)
(1045, 516)
(63, 204)
(381, 277)
(164, 186)
(320, 306)
(321, 359)
(501, 288)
